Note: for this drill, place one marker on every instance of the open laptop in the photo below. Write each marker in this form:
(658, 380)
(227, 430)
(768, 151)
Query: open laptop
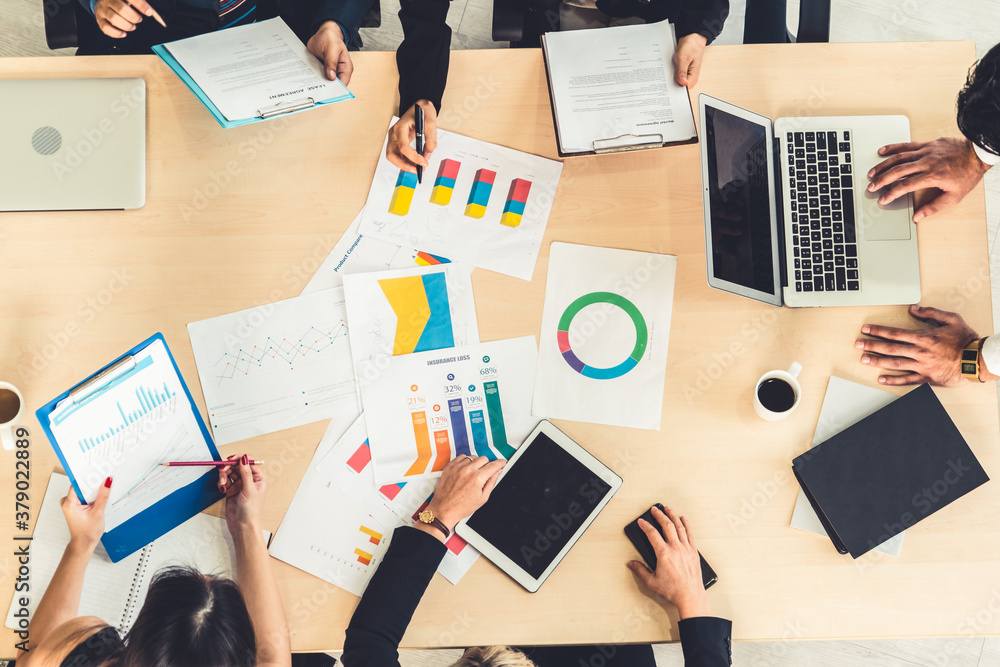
(788, 216)
(72, 144)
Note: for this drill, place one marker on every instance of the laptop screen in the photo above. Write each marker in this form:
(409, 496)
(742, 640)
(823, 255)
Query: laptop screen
(738, 196)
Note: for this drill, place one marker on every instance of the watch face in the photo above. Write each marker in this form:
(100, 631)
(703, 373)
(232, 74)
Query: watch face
(969, 369)
(970, 355)
(426, 516)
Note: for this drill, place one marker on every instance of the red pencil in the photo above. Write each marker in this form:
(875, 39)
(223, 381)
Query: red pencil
(217, 464)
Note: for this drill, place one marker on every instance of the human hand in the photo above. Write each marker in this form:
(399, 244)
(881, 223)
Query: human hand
(924, 355)
(398, 150)
(244, 494)
(86, 522)
(678, 566)
(465, 486)
(328, 45)
(117, 18)
(949, 164)
(687, 59)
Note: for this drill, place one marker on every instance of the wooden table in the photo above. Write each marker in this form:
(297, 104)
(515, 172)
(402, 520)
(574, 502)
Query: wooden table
(241, 217)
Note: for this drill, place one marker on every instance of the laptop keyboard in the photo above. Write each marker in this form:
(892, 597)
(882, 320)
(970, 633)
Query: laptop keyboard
(821, 191)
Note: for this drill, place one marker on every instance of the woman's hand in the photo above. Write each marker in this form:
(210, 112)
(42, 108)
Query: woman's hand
(398, 150)
(244, 487)
(86, 522)
(117, 18)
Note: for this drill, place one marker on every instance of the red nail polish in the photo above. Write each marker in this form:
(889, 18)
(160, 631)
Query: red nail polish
(107, 483)
(222, 489)
(245, 460)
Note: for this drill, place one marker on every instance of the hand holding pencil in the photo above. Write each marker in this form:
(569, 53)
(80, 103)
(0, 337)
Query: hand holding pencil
(244, 486)
(117, 18)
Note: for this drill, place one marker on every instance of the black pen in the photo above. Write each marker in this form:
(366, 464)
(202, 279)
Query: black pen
(419, 112)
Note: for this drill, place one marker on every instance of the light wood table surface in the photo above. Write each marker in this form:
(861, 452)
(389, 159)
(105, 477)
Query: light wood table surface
(241, 217)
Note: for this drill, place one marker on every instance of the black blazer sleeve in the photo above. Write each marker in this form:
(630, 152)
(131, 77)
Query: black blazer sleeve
(422, 58)
(392, 595)
(305, 17)
(704, 17)
(707, 641)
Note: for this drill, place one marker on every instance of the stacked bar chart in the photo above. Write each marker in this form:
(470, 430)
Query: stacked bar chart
(444, 184)
(479, 196)
(402, 195)
(513, 209)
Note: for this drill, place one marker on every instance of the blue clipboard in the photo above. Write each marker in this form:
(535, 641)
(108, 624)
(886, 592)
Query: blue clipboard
(170, 511)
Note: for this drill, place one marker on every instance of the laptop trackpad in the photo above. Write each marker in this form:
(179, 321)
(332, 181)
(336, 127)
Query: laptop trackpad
(885, 223)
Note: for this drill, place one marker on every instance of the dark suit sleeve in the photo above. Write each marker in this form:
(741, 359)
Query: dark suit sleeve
(422, 58)
(392, 595)
(707, 641)
(704, 17)
(305, 17)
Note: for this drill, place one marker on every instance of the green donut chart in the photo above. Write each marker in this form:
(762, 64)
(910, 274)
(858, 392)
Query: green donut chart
(630, 362)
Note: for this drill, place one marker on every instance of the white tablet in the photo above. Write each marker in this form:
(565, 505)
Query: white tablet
(551, 490)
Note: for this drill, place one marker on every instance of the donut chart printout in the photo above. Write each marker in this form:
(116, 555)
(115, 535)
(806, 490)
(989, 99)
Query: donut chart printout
(602, 357)
(424, 409)
(479, 204)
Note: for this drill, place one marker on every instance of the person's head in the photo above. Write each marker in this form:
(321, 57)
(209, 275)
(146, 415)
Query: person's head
(191, 620)
(979, 103)
(493, 656)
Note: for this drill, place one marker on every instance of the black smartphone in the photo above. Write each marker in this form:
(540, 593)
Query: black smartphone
(645, 549)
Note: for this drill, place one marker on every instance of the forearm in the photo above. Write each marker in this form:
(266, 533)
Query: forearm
(263, 600)
(423, 57)
(61, 601)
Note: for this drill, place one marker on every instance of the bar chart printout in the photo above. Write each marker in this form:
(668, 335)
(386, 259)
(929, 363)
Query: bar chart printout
(427, 408)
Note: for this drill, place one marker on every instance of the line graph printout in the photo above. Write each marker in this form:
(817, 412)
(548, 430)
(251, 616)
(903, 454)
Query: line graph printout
(276, 366)
(411, 310)
(479, 204)
(126, 430)
(426, 408)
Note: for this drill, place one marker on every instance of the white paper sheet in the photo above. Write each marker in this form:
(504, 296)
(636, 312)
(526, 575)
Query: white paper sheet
(355, 253)
(447, 229)
(250, 67)
(410, 310)
(424, 409)
(348, 467)
(127, 431)
(845, 404)
(616, 81)
(276, 366)
(609, 363)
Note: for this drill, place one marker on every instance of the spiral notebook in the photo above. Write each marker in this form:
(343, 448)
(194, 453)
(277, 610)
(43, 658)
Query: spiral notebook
(116, 592)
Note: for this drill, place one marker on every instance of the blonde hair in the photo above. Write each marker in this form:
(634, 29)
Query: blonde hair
(493, 656)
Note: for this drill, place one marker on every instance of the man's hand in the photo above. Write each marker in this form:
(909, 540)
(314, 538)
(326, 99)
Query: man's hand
(949, 164)
(465, 486)
(399, 152)
(924, 355)
(687, 59)
(117, 18)
(328, 45)
(86, 522)
(678, 567)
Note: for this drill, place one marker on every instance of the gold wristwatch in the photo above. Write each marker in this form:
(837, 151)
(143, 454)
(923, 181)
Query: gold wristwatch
(970, 360)
(428, 517)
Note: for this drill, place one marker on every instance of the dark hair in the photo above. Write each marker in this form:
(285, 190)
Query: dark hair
(979, 103)
(191, 620)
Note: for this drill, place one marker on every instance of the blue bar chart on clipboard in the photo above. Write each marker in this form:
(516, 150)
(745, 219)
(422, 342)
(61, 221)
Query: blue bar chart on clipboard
(123, 423)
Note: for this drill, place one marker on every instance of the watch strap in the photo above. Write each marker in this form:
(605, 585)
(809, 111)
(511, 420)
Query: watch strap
(439, 524)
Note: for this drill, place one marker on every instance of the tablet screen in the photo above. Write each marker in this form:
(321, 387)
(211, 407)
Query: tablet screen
(539, 505)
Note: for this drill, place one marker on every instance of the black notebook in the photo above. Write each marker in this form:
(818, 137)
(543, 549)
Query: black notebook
(884, 474)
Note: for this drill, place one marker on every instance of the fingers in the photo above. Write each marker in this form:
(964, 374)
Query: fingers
(894, 174)
(490, 483)
(892, 363)
(101, 501)
(654, 537)
(491, 469)
(345, 68)
(246, 474)
(640, 570)
(678, 526)
(935, 315)
(906, 186)
(940, 202)
(888, 348)
(892, 149)
(891, 333)
(885, 165)
(412, 156)
(430, 128)
(142, 6)
(667, 524)
(904, 379)
(338, 62)
(224, 472)
(682, 64)
(690, 535)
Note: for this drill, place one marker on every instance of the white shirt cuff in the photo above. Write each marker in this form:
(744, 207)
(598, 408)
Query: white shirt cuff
(991, 354)
(988, 158)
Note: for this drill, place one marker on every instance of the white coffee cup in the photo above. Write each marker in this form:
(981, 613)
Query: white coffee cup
(790, 376)
(13, 420)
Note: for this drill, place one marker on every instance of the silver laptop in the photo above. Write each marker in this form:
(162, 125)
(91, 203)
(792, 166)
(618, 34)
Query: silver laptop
(788, 215)
(72, 144)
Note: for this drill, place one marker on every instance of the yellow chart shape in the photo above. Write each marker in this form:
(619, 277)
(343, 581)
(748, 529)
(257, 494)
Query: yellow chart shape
(408, 300)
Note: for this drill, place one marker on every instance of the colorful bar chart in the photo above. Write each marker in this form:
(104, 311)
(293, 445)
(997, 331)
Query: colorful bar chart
(390, 491)
(402, 195)
(443, 446)
(495, 412)
(444, 184)
(458, 427)
(423, 312)
(147, 399)
(364, 557)
(479, 438)
(479, 196)
(361, 458)
(427, 259)
(373, 536)
(517, 196)
(423, 444)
